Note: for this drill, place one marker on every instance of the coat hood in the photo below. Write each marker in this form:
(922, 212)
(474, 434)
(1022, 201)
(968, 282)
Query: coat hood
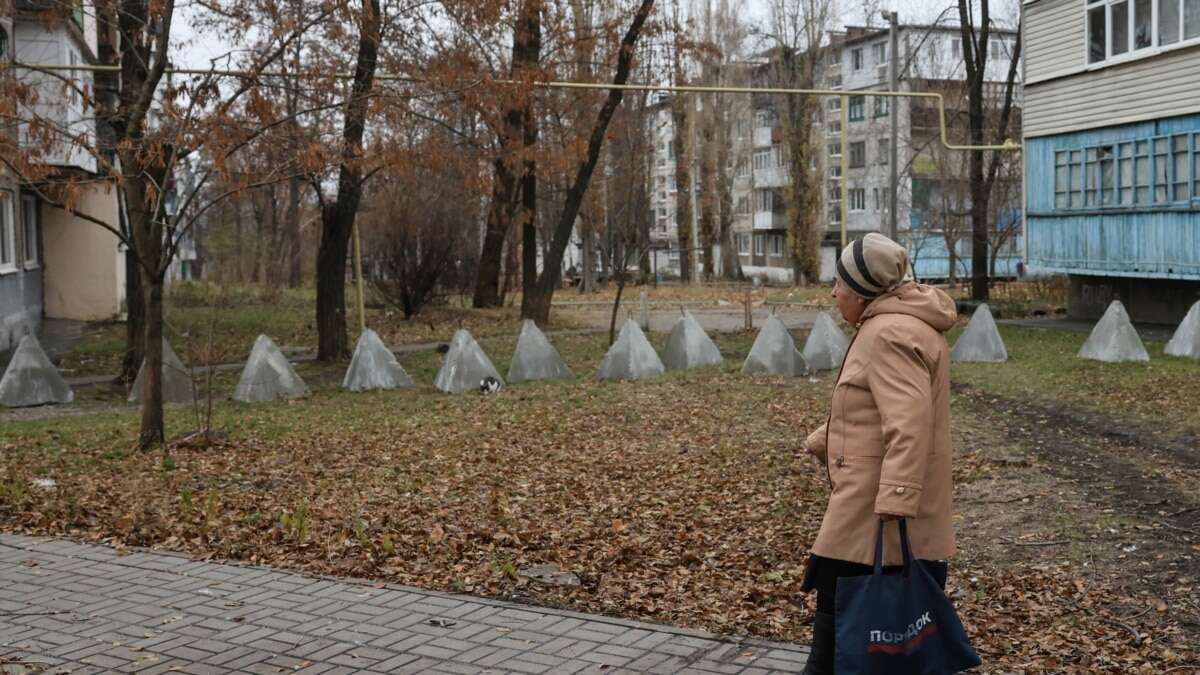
(926, 303)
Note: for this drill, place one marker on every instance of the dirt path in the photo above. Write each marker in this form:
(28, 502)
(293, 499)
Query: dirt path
(1113, 503)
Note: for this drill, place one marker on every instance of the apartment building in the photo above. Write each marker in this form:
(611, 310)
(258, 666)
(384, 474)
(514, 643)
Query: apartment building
(54, 264)
(931, 204)
(1112, 152)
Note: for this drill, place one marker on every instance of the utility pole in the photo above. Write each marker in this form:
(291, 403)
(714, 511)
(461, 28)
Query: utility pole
(893, 150)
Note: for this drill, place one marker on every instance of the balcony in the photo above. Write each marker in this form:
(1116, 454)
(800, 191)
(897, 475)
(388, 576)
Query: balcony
(767, 136)
(769, 220)
(775, 176)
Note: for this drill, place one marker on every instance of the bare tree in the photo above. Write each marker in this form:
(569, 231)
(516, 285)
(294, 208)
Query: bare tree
(976, 30)
(796, 32)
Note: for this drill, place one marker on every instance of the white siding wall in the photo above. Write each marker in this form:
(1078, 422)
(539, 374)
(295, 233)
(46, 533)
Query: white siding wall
(1054, 39)
(1061, 94)
(1144, 89)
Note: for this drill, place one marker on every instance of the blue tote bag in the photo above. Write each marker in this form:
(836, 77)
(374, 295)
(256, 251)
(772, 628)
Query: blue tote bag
(898, 624)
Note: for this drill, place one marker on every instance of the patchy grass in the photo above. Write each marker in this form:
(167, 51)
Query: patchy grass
(239, 314)
(1042, 366)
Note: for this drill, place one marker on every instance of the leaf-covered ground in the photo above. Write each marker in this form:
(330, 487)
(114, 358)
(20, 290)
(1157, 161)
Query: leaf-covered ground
(678, 500)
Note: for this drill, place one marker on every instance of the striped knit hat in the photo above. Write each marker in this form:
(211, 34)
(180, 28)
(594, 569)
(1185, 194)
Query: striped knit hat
(873, 265)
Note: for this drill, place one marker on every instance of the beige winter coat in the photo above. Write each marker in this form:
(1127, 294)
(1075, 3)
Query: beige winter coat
(887, 441)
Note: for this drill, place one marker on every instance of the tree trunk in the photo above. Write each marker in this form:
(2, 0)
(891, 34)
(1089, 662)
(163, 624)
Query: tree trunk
(531, 45)
(491, 257)
(337, 217)
(708, 203)
(587, 276)
(332, 341)
(292, 249)
(147, 238)
(730, 267)
(683, 183)
(538, 307)
(135, 321)
(153, 432)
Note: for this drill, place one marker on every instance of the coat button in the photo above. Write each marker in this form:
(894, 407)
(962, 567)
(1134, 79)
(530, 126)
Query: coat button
(900, 490)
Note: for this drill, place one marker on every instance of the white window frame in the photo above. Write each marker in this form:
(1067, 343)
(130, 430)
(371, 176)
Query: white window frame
(1132, 53)
(29, 232)
(879, 50)
(8, 229)
(856, 59)
(758, 244)
(776, 245)
(743, 244)
(858, 199)
(764, 200)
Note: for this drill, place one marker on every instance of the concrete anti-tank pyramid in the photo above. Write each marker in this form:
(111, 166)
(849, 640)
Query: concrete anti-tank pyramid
(465, 366)
(1114, 339)
(268, 376)
(374, 366)
(826, 344)
(177, 379)
(1186, 341)
(535, 358)
(31, 379)
(689, 346)
(631, 357)
(774, 352)
(981, 341)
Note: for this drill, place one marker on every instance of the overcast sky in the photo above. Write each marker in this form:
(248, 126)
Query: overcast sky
(196, 51)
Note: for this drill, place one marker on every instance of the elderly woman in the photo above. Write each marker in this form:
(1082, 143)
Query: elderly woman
(886, 444)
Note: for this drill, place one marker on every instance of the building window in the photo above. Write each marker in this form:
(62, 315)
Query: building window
(743, 169)
(880, 52)
(662, 182)
(662, 213)
(858, 154)
(758, 244)
(1120, 28)
(743, 206)
(1061, 180)
(29, 228)
(1124, 174)
(776, 245)
(1162, 170)
(1091, 177)
(956, 47)
(875, 194)
(856, 58)
(885, 151)
(671, 182)
(764, 201)
(858, 199)
(881, 106)
(743, 242)
(1179, 168)
(768, 158)
(764, 118)
(7, 240)
(1196, 166)
(855, 111)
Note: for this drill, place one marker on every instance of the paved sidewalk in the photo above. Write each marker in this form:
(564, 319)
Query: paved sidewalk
(82, 608)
